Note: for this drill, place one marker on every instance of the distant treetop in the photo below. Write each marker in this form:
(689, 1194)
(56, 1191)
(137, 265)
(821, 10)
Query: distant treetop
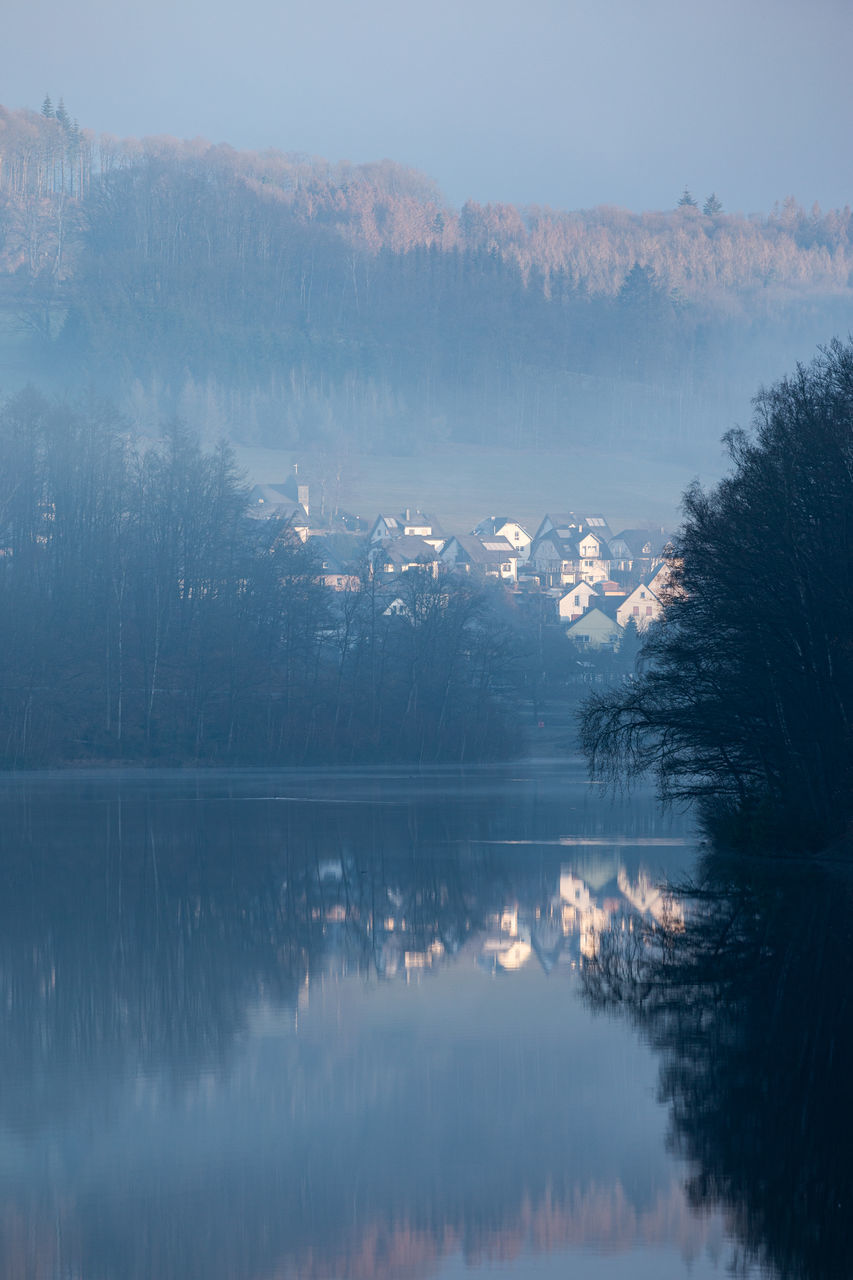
(712, 205)
(687, 200)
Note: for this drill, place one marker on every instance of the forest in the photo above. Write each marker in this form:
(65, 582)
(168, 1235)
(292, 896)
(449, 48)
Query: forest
(147, 617)
(287, 301)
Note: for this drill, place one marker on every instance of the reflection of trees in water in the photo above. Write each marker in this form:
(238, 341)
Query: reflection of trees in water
(138, 925)
(750, 1008)
(135, 935)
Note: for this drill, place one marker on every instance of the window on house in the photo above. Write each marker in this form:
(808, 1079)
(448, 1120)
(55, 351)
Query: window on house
(636, 611)
(648, 610)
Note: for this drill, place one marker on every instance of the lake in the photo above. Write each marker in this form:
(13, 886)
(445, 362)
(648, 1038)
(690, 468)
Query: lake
(266, 1024)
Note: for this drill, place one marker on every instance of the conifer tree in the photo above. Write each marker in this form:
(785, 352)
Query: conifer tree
(687, 201)
(712, 205)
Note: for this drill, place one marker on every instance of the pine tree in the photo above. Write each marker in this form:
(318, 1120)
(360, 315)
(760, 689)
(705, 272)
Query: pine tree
(62, 115)
(687, 200)
(712, 205)
(47, 108)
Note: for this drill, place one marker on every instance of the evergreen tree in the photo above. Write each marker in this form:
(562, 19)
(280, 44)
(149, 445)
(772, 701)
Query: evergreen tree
(687, 201)
(62, 115)
(47, 108)
(712, 205)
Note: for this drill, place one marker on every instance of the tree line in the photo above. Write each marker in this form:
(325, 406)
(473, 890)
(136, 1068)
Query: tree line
(745, 697)
(145, 616)
(298, 299)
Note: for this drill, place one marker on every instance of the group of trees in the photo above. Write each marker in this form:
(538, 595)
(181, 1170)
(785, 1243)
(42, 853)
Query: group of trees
(745, 698)
(302, 294)
(711, 207)
(144, 615)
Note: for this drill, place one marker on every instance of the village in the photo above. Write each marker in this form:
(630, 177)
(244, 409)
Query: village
(593, 582)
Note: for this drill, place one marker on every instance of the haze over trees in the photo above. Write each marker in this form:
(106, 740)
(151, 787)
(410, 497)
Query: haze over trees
(288, 301)
(146, 616)
(745, 696)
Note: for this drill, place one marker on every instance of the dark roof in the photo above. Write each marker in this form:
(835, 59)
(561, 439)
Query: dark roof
(474, 552)
(636, 539)
(339, 552)
(408, 549)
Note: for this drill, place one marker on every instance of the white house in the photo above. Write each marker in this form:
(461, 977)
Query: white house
(642, 605)
(504, 527)
(596, 630)
(576, 601)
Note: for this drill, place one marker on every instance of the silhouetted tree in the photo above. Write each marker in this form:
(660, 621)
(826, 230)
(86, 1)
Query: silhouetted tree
(747, 691)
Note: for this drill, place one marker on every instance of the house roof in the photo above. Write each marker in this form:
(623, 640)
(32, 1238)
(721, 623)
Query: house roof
(490, 527)
(577, 587)
(636, 539)
(344, 550)
(268, 500)
(489, 554)
(598, 616)
(408, 549)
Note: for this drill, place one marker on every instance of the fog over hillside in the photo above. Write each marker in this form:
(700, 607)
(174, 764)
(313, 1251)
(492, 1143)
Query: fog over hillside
(349, 313)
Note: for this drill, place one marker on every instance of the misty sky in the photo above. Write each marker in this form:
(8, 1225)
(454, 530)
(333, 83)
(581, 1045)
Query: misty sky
(571, 103)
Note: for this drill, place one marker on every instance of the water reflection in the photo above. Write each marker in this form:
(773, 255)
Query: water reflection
(745, 994)
(268, 1025)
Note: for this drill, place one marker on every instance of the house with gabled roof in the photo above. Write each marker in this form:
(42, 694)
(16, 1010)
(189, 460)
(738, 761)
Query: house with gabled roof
(595, 630)
(549, 559)
(568, 524)
(639, 550)
(505, 527)
(340, 557)
(576, 601)
(400, 554)
(563, 523)
(272, 502)
(409, 524)
(493, 558)
(641, 605)
(594, 557)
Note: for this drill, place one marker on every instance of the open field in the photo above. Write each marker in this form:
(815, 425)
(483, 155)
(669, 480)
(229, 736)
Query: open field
(460, 485)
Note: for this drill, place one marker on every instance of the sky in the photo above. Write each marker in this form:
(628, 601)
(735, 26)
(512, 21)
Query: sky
(568, 103)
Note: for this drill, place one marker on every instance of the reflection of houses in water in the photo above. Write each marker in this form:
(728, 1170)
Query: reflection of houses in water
(505, 954)
(406, 930)
(580, 914)
(650, 899)
(565, 930)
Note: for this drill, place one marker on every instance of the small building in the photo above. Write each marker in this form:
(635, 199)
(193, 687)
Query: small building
(410, 524)
(576, 601)
(595, 630)
(505, 527)
(493, 559)
(641, 605)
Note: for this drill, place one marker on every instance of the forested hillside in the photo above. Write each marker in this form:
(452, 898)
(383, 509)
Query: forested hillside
(288, 301)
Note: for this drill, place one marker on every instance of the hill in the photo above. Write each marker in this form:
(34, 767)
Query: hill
(292, 303)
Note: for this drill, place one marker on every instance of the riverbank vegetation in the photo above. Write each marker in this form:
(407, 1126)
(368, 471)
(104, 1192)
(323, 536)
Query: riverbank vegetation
(745, 695)
(146, 617)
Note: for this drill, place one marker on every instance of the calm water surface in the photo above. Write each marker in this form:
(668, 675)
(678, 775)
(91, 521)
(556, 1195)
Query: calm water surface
(299, 1024)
